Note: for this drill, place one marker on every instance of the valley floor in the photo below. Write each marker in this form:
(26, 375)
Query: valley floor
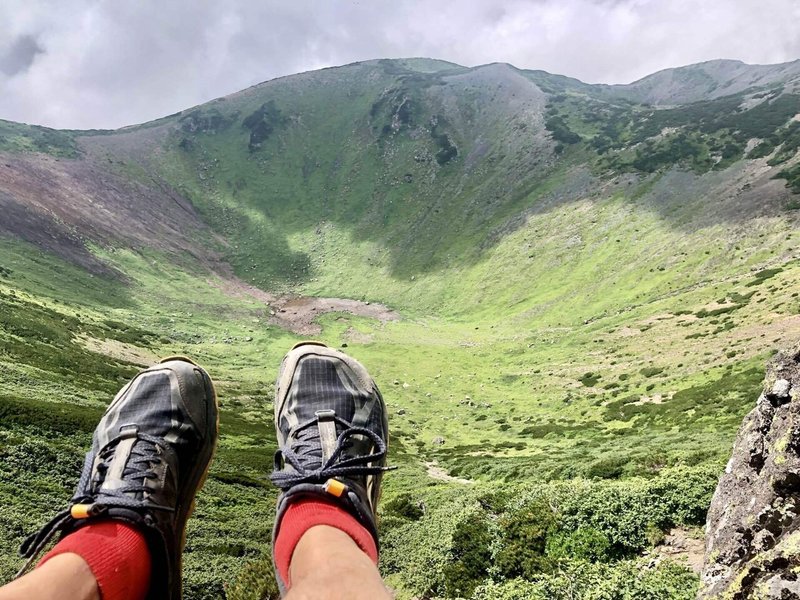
(527, 431)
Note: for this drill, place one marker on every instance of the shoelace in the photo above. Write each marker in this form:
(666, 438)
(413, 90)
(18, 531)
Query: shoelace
(140, 468)
(308, 444)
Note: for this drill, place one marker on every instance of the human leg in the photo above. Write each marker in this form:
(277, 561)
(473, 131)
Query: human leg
(332, 434)
(65, 576)
(327, 564)
(150, 454)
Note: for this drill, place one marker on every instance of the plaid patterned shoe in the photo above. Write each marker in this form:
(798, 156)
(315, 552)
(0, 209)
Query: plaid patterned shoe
(332, 432)
(150, 455)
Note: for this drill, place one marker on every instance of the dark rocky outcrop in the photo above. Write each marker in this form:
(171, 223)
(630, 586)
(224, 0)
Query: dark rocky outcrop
(753, 529)
(263, 123)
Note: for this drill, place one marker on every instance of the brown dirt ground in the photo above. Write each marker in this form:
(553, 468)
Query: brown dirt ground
(298, 313)
(683, 546)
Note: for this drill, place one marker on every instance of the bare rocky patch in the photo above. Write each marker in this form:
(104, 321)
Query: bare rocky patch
(63, 205)
(436, 472)
(299, 313)
(681, 545)
(654, 399)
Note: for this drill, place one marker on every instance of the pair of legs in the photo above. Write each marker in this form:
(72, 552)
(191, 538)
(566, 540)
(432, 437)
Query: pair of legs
(122, 535)
(326, 565)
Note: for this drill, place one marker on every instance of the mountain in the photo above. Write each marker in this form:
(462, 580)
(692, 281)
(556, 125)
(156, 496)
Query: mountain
(707, 81)
(566, 291)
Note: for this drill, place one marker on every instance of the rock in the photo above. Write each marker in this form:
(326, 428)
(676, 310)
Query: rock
(406, 386)
(781, 388)
(401, 411)
(248, 339)
(438, 441)
(753, 529)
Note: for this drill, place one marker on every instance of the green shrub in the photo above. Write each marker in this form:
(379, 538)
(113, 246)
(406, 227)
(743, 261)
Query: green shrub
(590, 379)
(584, 543)
(625, 511)
(607, 468)
(470, 556)
(763, 275)
(715, 312)
(651, 371)
(423, 550)
(404, 506)
(255, 581)
(523, 539)
(578, 580)
(792, 177)
(514, 589)
(561, 132)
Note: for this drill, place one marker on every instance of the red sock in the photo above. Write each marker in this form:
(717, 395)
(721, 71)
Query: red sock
(117, 555)
(305, 514)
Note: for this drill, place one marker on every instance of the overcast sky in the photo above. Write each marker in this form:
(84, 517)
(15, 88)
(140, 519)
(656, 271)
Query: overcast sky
(108, 63)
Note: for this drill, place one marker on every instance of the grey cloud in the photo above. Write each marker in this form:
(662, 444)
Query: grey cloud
(110, 64)
(20, 55)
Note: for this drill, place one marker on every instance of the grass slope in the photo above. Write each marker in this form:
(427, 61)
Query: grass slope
(581, 333)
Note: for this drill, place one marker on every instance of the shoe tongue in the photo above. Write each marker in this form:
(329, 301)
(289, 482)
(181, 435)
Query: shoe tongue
(122, 472)
(318, 442)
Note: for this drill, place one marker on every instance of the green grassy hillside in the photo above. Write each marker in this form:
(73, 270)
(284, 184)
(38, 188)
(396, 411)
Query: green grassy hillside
(587, 290)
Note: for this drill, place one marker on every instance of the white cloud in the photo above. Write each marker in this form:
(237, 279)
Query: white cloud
(108, 63)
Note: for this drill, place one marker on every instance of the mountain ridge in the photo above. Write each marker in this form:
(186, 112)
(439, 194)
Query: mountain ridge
(165, 124)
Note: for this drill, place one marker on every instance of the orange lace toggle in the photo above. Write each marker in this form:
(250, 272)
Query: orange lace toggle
(334, 487)
(81, 511)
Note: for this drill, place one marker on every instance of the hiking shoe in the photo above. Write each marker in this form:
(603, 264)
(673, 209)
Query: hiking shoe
(150, 455)
(332, 434)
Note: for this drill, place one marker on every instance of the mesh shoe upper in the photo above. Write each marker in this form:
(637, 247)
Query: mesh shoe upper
(332, 432)
(150, 453)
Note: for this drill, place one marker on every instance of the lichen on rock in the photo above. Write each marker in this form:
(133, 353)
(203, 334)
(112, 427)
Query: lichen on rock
(752, 529)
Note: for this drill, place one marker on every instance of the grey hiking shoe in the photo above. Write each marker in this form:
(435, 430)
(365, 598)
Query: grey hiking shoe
(150, 455)
(332, 433)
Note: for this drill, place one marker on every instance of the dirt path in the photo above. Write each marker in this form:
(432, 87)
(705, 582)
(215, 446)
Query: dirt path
(437, 472)
(681, 546)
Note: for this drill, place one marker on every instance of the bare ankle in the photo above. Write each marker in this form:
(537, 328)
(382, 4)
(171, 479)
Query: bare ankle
(327, 565)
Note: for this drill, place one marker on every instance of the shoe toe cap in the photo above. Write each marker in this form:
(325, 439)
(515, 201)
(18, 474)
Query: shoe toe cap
(196, 390)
